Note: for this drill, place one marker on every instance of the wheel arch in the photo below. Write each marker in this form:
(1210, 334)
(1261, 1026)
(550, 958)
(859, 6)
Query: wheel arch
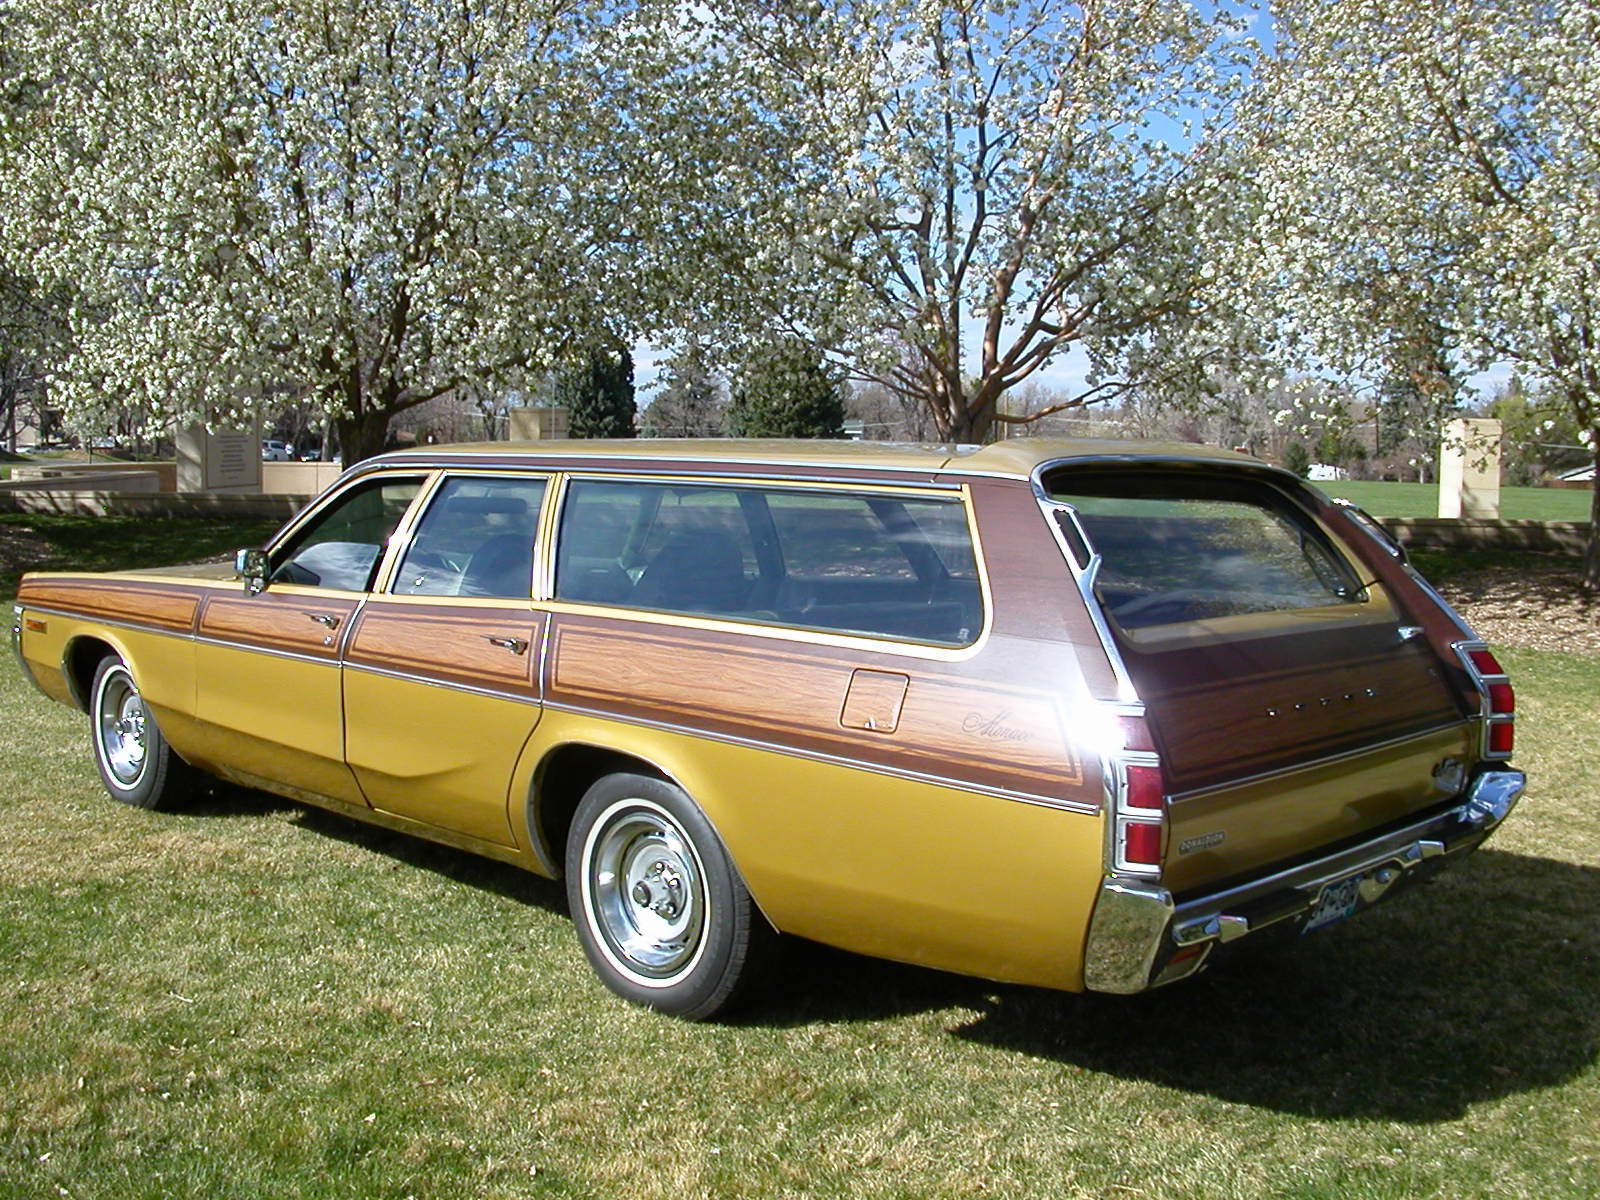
(563, 775)
(79, 659)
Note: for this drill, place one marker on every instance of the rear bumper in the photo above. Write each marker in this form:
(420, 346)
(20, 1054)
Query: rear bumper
(1140, 937)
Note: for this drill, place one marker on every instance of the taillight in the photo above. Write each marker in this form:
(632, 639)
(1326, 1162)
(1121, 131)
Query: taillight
(1499, 700)
(1138, 799)
(1145, 789)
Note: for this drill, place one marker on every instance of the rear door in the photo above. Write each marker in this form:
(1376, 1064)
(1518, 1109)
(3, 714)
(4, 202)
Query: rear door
(1294, 704)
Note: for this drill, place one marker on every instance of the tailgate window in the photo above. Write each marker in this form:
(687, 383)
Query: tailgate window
(1184, 549)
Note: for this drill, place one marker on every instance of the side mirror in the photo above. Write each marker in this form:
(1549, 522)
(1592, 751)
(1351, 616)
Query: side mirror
(251, 566)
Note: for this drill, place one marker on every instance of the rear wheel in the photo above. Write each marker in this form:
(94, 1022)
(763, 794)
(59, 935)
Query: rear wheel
(136, 764)
(660, 908)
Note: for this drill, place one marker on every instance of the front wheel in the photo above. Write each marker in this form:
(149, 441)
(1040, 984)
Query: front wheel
(660, 908)
(136, 764)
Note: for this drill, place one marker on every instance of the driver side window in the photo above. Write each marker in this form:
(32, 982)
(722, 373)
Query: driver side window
(341, 546)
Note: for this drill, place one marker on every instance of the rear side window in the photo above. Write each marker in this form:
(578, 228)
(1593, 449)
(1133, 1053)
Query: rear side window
(853, 562)
(1184, 549)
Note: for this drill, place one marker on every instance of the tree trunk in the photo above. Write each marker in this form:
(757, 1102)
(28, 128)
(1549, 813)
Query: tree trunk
(363, 435)
(1591, 554)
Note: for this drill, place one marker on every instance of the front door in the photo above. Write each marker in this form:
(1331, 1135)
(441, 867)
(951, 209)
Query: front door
(268, 679)
(441, 671)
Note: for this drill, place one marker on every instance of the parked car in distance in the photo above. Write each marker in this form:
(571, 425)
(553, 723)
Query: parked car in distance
(1071, 714)
(273, 450)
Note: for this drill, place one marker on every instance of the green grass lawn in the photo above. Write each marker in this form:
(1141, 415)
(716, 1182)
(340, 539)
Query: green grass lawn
(258, 1000)
(1422, 500)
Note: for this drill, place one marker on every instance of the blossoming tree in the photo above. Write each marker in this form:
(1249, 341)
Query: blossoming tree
(1441, 160)
(942, 196)
(370, 204)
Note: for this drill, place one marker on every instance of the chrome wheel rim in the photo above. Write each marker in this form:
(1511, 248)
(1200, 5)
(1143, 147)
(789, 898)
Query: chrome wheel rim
(645, 892)
(120, 728)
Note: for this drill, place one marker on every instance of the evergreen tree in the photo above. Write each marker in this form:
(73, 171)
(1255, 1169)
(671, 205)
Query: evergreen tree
(689, 403)
(786, 390)
(596, 389)
(1297, 458)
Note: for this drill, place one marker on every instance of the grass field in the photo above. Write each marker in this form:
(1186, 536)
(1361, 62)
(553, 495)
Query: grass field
(1422, 500)
(258, 1000)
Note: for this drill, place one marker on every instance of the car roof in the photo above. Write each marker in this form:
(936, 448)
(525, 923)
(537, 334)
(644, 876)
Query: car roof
(1016, 458)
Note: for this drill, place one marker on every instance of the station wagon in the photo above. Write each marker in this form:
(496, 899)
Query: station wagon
(1069, 714)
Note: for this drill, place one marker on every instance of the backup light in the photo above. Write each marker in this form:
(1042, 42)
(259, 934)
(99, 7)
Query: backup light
(1141, 843)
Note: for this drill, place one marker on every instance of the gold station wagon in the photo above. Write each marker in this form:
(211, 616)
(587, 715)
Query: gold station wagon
(1072, 714)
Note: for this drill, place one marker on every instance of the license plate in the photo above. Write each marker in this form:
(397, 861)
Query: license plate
(1338, 901)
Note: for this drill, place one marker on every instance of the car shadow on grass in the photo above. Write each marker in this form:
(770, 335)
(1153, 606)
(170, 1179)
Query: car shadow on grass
(1482, 984)
(225, 800)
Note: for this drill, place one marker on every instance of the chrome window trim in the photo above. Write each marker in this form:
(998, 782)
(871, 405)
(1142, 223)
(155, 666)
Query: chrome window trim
(1083, 576)
(406, 531)
(1372, 527)
(625, 465)
(356, 475)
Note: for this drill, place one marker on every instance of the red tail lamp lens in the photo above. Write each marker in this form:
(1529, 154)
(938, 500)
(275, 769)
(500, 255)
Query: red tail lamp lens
(1142, 844)
(1502, 736)
(1486, 663)
(1145, 789)
(1502, 699)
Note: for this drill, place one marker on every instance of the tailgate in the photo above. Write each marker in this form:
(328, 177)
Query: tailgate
(1292, 703)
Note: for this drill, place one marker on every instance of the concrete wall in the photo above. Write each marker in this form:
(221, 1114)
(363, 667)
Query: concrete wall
(1468, 533)
(297, 478)
(166, 473)
(151, 503)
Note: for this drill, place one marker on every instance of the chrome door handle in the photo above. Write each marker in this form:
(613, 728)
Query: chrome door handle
(326, 620)
(1409, 632)
(514, 644)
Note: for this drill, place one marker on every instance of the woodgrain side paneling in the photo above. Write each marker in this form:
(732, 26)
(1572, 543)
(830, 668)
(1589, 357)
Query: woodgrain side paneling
(953, 724)
(1262, 709)
(151, 604)
(277, 620)
(451, 644)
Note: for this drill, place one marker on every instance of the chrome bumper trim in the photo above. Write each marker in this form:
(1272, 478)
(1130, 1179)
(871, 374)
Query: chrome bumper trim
(1140, 937)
